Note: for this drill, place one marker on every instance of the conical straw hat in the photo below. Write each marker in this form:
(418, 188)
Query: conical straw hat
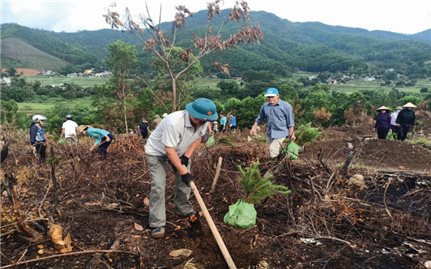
(382, 108)
(409, 105)
(81, 128)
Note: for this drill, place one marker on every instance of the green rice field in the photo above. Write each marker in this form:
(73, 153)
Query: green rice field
(30, 108)
(360, 85)
(56, 80)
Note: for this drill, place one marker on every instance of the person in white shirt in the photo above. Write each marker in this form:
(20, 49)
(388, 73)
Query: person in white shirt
(68, 130)
(174, 141)
(394, 126)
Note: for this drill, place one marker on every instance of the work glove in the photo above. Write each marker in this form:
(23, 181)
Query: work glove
(187, 178)
(184, 160)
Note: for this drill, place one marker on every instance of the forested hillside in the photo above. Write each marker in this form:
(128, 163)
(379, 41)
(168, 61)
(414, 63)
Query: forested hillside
(286, 47)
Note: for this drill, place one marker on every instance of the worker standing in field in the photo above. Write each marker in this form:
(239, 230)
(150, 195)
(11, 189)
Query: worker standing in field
(232, 122)
(69, 130)
(223, 121)
(174, 141)
(156, 121)
(37, 137)
(143, 128)
(280, 120)
(394, 126)
(383, 122)
(406, 120)
(102, 139)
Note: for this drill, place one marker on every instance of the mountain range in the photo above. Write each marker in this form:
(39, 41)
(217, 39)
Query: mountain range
(286, 47)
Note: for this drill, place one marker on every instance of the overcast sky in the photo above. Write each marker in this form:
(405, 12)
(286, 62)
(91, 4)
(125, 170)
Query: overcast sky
(400, 16)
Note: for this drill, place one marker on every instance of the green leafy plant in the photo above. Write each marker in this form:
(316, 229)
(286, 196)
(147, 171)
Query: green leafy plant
(421, 141)
(391, 136)
(259, 187)
(306, 133)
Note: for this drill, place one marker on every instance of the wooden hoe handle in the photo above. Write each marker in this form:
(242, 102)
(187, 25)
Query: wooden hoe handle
(213, 228)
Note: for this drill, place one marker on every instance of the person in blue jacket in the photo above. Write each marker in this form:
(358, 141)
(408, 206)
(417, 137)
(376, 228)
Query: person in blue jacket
(37, 137)
(102, 139)
(232, 122)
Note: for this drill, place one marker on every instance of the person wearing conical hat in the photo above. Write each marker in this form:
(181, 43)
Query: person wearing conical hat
(383, 122)
(156, 121)
(394, 126)
(406, 120)
(143, 128)
(102, 138)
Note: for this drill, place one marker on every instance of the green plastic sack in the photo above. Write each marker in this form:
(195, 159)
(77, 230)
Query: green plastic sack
(293, 150)
(61, 140)
(241, 215)
(210, 142)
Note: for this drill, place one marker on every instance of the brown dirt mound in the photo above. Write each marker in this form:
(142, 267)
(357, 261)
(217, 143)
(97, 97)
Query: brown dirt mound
(424, 122)
(395, 154)
(375, 153)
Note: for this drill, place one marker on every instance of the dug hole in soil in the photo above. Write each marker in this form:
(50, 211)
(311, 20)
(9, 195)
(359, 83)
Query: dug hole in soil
(329, 220)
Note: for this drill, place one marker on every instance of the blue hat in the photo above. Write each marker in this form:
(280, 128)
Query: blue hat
(203, 109)
(271, 92)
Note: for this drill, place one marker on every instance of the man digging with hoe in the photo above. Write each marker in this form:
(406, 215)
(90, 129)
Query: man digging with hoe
(174, 141)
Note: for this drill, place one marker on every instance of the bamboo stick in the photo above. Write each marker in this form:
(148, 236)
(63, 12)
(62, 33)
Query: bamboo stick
(213, 228)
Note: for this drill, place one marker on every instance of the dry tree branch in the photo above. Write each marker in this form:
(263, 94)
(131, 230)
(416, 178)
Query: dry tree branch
(43, 200)
(28, 220)
(330, 181)
(384, 197)
(313, 188)
(217, 174)
(23, 254)
(324, 165)
(68, 254)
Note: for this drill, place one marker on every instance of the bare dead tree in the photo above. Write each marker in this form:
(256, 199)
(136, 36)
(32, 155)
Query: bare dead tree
(158, 42)
(54, 180)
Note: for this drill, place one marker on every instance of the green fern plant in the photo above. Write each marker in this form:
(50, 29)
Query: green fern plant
(258, 187)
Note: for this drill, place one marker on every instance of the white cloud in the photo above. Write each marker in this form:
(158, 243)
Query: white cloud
(70, 15)
(82, 16)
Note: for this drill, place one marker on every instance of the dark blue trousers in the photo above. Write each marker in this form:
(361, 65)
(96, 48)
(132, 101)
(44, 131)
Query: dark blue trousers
(102, 149)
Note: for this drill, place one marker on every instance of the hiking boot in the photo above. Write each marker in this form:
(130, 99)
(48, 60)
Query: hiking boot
(158, 232)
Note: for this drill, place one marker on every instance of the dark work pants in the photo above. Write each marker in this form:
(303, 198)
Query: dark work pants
(144, 135)
(396, 130)
(41, 150)
(382, 133)
(404, 130)
(102, 149)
